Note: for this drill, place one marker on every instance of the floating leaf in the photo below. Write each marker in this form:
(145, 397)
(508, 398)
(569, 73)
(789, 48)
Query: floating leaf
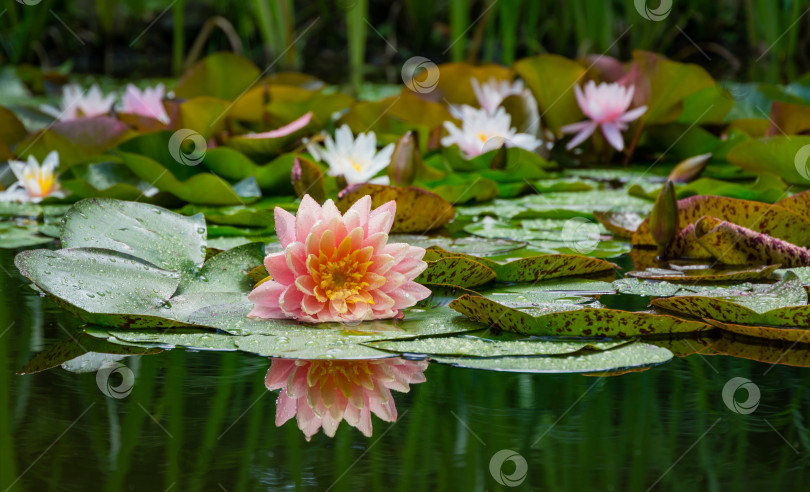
(13, 236)
(417, 210)
(492, 346)
(707, 274)
(621, 224)
(550, 266)
(622, 357)
(570, 320)
(168, 240)
(474, 246)
(736, 245)
(761, 217)
(458, 271)
(780, 304)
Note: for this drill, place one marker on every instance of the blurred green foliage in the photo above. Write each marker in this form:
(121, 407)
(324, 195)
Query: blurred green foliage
(356, 40)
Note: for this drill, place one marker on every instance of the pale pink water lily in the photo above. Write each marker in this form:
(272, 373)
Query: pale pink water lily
(338, 267)
(481, 132)
(491, 94)
(76, 103)
(357, 160)
(34, 181)
(147, 102)
(322, 393)
(606, 106)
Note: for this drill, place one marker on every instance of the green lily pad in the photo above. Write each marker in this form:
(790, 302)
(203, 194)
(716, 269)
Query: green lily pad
(622, 357)
(492, 346)
(473, 246)
(13, 236)
(223, 75)
(167, 240)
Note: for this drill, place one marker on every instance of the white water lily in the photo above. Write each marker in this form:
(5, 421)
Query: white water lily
(356, 159)
(481, 132)
(34, 181)
(76, 103)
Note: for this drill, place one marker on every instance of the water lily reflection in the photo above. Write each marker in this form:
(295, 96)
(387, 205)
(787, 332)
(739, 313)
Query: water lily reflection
(322, 393)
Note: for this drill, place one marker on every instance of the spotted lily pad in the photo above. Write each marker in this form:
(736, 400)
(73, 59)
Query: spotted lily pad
(417, 210)
(768, 219)
(782, 333)
(704, 273)
(621, 224)
(780, 304)
(459, 271)
(570, 319)
(622, 357)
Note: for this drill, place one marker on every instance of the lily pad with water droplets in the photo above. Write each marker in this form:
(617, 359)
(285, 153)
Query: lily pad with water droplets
(473, 346)
(700, 273)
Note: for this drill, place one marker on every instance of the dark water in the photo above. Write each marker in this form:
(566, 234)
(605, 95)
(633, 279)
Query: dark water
(204, 421)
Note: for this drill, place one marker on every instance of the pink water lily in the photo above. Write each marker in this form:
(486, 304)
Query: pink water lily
(338, 267)
(606, 106)
(322, 393)
(147, 102)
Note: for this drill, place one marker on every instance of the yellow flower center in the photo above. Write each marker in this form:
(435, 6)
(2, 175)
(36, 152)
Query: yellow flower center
(341, 279)
(483, 137)
(357, 167)
(44, 180)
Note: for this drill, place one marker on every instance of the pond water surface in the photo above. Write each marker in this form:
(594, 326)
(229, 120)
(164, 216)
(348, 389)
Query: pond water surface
(205, 421)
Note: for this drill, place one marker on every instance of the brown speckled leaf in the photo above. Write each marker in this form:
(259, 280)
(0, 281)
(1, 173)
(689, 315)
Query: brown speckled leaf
(785, 334)
(782, 304)
(417, 210)
(798, 203)
(533, 268)
(708, 275)
(571, 320)
(620, 224)
(686, 245)
(769, 219)
(736, 245)
(458, 271)
(545, 267)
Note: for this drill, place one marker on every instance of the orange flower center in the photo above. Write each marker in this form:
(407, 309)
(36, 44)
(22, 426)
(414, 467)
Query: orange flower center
(44, 180)
(342, 279)
(344, 374)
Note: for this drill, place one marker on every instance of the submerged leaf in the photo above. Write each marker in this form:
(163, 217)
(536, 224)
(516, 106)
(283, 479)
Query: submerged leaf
(706, 274)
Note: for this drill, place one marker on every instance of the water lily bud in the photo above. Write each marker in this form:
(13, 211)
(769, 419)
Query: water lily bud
(307, 179)
(689, 169)
(404, 161)
(664, 219)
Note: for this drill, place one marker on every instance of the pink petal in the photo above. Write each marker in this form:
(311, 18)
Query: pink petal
(285, 130)
(582, 136)
(613, 136)
(285, 226)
